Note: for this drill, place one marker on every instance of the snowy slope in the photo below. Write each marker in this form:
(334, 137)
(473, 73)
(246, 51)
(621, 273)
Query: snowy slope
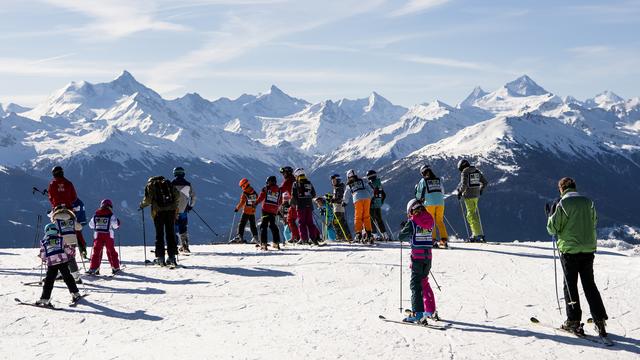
(233, 302)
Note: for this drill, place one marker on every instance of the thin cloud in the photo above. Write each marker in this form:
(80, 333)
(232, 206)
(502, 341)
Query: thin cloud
(453, 63)
(53, 58)
(416, 6)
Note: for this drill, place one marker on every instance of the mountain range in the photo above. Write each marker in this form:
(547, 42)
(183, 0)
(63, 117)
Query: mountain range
(110, 137)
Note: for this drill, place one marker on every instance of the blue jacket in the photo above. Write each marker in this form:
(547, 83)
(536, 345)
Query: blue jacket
(430, 191)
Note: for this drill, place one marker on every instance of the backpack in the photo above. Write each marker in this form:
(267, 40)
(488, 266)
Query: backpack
(162, 191)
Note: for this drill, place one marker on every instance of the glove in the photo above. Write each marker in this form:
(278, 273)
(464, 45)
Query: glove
(459, 195)
(188, 208)
(235, 210)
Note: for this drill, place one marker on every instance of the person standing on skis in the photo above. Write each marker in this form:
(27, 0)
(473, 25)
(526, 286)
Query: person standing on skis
(186, 202)
(417, 231)
(104, 222)
(162, 196)
(288, 209)
(68, 228)
(430, 192)
(248, 203)
(270, 197)
(302, 194)
(472, 184)
(572, 220)
(376, 203)
(343, 232)
(359, 192)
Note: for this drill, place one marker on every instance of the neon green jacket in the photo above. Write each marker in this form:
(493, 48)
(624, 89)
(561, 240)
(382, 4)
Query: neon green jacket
(573, 222)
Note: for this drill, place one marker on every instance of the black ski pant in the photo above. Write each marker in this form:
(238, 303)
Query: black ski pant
(164, 222)
(252, 225)
(341, 226)
(581, 264)
(419, 270)
(52, 273)
(376, 218)
(73, 264)
(269, 221)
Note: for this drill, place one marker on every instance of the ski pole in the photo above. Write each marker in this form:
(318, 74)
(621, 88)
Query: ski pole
(213, 231)
(38, 225)
(479, 220)
(339, 221)
(401, 268)
(119, 249)
(232, 225)
(84, 288)
(144, 238)
(388, 227)
(451, 226)
(564, 276)
(435, 281)
(465, 219)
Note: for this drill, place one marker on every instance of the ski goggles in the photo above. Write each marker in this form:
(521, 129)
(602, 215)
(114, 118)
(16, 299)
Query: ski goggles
(417, 209)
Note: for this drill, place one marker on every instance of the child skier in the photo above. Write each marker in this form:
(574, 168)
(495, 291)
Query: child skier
(248, 204)
(67, 225)
(104, 223)
(302, 194)
(270, 197)
(326, 213)
(417, 231)
(358, 191)
(56, 253)
(430, 192)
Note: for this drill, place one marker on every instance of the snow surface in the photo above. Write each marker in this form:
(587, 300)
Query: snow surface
(323, 303)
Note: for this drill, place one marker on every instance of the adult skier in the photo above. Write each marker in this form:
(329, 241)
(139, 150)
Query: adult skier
(359, 192)
(302, 194)
(376, 203)
(186, 202)
(572, 220)
(56, 253)
(162, 196)
(430, 192)
(287, 209)
(417, 231)
(248, 203)
(61, 191)
(271, 198)
(104, 222)
(68, 227)
(337, 200)
(472, 184)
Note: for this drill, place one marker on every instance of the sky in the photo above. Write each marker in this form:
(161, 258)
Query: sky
(409, 51)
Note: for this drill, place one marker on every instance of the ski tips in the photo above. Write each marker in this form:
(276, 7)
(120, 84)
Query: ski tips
(534, 320)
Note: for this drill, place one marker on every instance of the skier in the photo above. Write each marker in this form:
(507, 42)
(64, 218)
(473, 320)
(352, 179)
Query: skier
(361, 196)
(56, 253)
(271, 198)
(81, 217)
(61, 190)
(163, 198)
(338, 208)
(287, 208)
(302, 194)
(248, 204)
(68, 227)
(326, 213)
(417, 230)
(573, 221)
(376, 203)
(430, 192)
(472, 184)
(104, 222)
(186, 202)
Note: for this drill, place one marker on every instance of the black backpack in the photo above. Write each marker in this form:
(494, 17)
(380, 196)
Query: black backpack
(162, 190)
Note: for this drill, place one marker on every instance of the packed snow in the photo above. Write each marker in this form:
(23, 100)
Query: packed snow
(316, 303)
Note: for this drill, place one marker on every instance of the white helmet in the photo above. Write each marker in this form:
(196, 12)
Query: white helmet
(413, 204)
(351, 173)
(297, 172)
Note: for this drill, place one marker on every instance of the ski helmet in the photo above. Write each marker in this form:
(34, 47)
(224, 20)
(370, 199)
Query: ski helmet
(463, 164)
(299, 172)
(57, 171)
(243, 183)
(335, 176)
(372, 174)
(271, 180)
(424, 168)
(351, 173)
(106, 203)
(178, 171)
(51, 229)
(413, 204)
(286, 170)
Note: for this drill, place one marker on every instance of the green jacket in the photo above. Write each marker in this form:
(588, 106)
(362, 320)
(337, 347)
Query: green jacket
(150, 196)
(573, 222)
(378, 193)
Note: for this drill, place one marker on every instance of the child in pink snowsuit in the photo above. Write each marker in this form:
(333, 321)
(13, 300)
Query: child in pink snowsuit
(417, 230)
(104, 223)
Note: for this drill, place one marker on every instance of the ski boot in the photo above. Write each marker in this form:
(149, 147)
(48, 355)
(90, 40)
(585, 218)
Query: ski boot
(171, 262)
(93, 272)
(76, 277)
(115, 271)
(436, 245)
(263, 246)
(573, 326)
(254, 240)
(303, 242)
(600, 326)
(443, 243)
(385, 236)
(293, 241)
(276, 246)
(44, 303)
(358, 238)
(75, 297)
(480, 239)
(414, 317)
(159, 261)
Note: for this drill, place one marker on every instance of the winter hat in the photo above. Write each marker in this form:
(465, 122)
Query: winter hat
(299, 172)
(271, 180)
(413, 204)
(463, 164)
(351, 173)
(106, 203)
(178, 171)
(335, 176)
(51, 230)
(57, 171)
(424, 168)
(244, 183)
(371, 174)
(286, 170)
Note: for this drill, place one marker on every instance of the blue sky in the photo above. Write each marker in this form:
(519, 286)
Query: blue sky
(410, 51)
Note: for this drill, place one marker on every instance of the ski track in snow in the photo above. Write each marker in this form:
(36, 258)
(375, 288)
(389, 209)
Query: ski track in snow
(234, 302)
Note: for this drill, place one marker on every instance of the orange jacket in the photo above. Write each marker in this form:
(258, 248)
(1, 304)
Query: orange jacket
(248, 201)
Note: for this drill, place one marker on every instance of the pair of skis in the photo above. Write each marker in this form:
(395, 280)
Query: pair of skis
(436, 323)
(597, 340)
(73, 303)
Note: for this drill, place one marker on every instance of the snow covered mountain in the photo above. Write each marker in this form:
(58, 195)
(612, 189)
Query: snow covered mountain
(121, 132)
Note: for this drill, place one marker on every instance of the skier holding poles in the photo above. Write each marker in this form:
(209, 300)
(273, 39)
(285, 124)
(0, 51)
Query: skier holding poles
(472, 184)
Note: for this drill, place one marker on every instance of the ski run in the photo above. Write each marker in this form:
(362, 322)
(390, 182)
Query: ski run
(237, 302)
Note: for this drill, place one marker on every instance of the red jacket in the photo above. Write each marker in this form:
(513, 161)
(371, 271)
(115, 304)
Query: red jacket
(272, 198)
(61, 192)
(287, 184)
